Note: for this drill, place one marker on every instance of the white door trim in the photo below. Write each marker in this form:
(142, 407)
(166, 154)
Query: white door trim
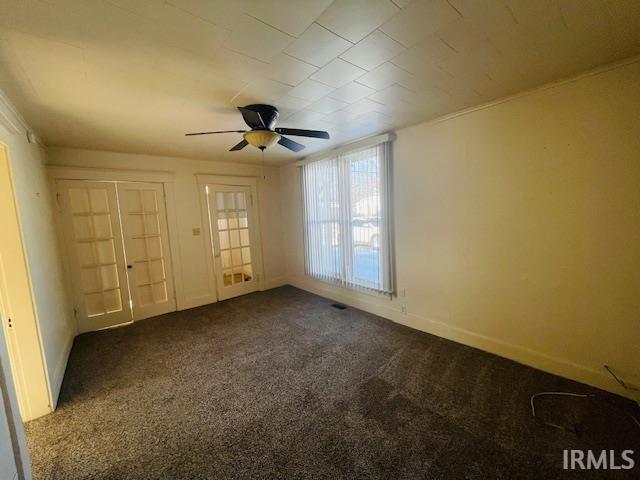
(166, 178)
(203, 180)
(24, 342)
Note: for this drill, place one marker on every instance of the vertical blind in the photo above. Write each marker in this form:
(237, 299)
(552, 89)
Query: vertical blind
(347, 218)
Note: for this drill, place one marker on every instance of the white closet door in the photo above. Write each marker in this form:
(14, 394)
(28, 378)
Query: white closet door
(144, 223)
(235, 243)
(94, 245)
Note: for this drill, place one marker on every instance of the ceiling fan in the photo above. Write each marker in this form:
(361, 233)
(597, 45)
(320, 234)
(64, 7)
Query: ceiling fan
(262, 120)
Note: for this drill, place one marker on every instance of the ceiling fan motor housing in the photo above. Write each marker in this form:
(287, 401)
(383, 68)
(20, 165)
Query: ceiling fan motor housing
(268, 113)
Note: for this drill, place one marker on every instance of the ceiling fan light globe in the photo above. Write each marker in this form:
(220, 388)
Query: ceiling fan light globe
(261, 138)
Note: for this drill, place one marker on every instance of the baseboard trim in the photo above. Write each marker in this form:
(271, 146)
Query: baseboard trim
(273, 283)
(196, 302)
(557, 366)
(58, 373)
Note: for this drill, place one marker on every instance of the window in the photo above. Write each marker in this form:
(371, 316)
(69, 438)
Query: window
(347, 222)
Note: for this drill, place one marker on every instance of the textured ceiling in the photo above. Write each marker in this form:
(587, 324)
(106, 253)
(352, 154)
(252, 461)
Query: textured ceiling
(135, 75)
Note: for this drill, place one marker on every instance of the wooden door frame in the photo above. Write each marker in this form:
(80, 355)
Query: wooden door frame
(23, 340)
(166, 178)
(252, 182)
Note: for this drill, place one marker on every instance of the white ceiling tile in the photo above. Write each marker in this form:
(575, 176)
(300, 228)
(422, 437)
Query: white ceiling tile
(190, 33)
(310, 90)
(418, 20)
(133, 77)
(373, 51)
(341, 117)
(317, 46)
(355, 19)
(363, 106)
(150, 9)
(327, 105)
(338, 73)
(402, 3)
(219, 12)
(292, 103)
(288, 105)
(305, 119)
(257, 40)
(395, 93)
(422, 65)
(290, 16)
(265, 90)
(463, 36)
(373, 119)
(42, 50)
(351, 92)
(289, 70)
(106, 23)
(181, 64)
(227, 63)
(383, 76)
(55, 22)
(430, 50)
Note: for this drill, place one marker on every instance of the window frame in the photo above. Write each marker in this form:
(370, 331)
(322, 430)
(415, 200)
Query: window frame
(386, 254)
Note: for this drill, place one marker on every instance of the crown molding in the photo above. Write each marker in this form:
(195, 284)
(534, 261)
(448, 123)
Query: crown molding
(14, 122)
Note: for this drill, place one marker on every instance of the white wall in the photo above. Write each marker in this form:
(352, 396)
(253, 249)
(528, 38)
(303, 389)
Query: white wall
(192, 271)
(518, 228)
(36, 293)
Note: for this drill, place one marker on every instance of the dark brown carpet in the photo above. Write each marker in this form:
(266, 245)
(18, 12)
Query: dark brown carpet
(279, 384)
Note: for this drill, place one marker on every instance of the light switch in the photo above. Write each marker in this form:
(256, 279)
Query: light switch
(195, 231)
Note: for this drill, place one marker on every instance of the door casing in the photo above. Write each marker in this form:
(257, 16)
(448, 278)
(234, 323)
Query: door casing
(252, 184)
(59, 172)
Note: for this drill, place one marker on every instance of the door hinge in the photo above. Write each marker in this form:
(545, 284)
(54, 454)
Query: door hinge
(251, 198)
(9, 322)
(58, 201)
(75, 313)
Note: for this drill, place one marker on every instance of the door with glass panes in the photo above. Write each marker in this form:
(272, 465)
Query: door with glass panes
(234, 240)
(146, 242)
(118, 251)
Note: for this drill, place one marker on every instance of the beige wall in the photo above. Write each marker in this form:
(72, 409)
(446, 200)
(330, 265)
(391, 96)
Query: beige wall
(34, 290)
(518, 228)
(192, 272)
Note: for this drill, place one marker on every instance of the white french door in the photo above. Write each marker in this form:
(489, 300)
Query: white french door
(118, 249)
(234, 239)
(94, 244)
(146, 241)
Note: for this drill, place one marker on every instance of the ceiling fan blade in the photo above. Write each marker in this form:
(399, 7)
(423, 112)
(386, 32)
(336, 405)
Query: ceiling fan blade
(303, 133)
(239, 146)
(209, 133)
(290, 144)
(251, 118)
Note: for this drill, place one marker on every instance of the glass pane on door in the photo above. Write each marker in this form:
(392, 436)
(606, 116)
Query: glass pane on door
(91, 220)
(233, 237)
(147, 256)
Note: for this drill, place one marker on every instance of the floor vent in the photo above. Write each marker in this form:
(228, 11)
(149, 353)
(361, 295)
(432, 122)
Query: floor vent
(339, 306)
